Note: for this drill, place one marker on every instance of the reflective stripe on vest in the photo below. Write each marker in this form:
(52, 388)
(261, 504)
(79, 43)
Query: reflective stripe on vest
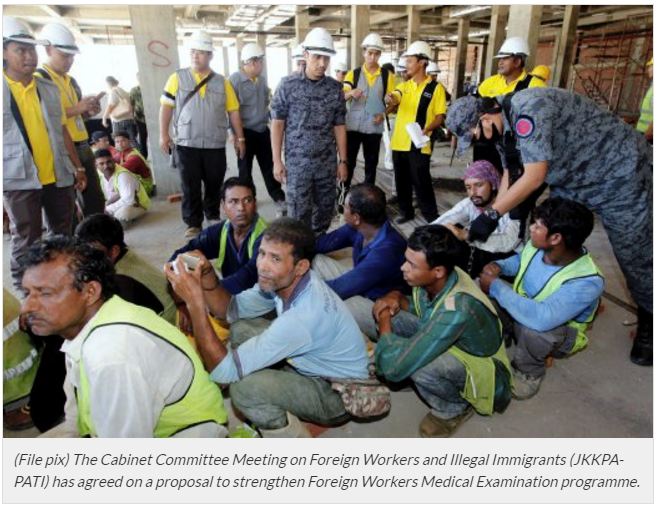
(142, 197)
(202, 401)
(260, 226)
(480, 387)
(583, 267)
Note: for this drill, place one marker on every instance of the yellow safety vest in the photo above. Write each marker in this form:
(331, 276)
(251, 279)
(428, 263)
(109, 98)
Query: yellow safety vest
(201, 403)
(582, 267)
(480, 387)
(142, 197)
(260, 226)
(147, 182)
(646, 113)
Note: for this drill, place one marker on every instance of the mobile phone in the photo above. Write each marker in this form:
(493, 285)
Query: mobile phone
(190, 261)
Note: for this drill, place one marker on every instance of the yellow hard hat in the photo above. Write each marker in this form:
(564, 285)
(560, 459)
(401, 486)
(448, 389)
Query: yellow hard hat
(541, 71)
(650, 62)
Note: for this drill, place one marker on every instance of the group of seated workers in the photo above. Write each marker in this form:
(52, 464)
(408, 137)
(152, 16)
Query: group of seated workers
(298, 319)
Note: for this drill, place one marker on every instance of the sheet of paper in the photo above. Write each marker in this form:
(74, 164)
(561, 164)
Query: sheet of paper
(416, 134)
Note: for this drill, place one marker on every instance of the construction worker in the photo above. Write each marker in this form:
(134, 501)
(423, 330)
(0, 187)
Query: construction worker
(645, 122)
(200, 130)
(365, 88)
(41, 169)
(129, 372)
(297, 57)
(340, 71)
(585, 154)
(131, 159)
(511, 70)
(542, 72)
(61, 54)
(125, 196)
(309, 108)
(254, 96)
(433, 71)
(422, 101)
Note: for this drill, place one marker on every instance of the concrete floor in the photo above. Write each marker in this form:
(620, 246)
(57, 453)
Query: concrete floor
(596, 393)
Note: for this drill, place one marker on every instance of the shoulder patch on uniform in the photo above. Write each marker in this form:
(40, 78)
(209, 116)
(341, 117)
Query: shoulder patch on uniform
(449, 304)
(524, 126)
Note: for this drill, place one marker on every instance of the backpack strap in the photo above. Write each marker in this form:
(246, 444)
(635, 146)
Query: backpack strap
(76, 88)
(19, 120)
(356, 74)
(44, 73)
(424, 103)
(524, 83)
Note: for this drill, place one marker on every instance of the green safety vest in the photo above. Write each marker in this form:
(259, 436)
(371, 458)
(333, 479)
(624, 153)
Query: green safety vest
(20, 359)
(646, 112)
(147, 182)
(142, 197)
(260, 226)
(480, 387)
(201, 403)
(582, 267)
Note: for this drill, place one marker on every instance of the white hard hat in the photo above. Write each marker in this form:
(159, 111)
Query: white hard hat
(513, 46)
(297, 53)
(200, 40)
(420, 48)
(401, 65)
(250, 51)
(60, 37)
(433, 68)
(319, 42)
(373, 41)
(339, 67)
(17, 30)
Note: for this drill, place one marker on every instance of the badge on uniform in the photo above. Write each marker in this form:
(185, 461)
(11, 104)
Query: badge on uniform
(524, 126)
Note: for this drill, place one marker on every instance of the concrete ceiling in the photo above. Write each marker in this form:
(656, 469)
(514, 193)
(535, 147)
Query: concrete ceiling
(438, 24)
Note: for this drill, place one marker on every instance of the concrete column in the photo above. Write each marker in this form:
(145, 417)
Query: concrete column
(525, 21)
(478, 74)
(359, 26)
(289, 60)
(239, 44)
(499, 15)
(413, 24)
(459, 64)
(261, 40)
(564, 45)
(156, 46)
(302, 24)
(225, 59)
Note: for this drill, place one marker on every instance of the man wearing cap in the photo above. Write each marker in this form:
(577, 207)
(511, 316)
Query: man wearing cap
(200, 129)
(365, 89)
(482, 182)
(511, 70)
(340, 71)
(254, 96)
(61, 53)
(41, 169)
(422, 101)
(585, 154)
(298, 62)
(100, 140)
(645, 122)
(309, 109)
(542, 72)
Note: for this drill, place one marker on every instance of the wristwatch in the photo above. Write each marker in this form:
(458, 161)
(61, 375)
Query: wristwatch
(80, 169)
(492, 214)
(342, 162)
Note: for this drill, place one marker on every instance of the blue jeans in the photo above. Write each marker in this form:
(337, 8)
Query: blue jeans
(265, 396)
(439, 382)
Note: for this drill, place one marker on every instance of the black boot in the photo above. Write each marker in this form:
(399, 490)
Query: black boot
(642, 351)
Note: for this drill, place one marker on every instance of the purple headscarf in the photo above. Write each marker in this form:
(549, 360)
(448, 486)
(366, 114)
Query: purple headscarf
(483, 170)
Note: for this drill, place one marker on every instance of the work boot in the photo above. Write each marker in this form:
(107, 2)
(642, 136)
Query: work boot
(434, 427)
(18, 419)
(524, 386)
(403, 219)
(192, 232)
(642, 351)
(393, 199)
(294, 429)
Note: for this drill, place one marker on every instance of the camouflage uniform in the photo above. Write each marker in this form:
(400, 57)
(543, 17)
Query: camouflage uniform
(594, 158)
(311, 110)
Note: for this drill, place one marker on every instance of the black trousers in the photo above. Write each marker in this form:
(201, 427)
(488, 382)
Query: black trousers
(258, 145)
(412, 170)
(47, 397)
(370, 144)
(197, 166)
(142, 138)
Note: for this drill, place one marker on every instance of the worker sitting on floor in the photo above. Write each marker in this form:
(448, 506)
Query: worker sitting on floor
(133, 160)
(377, 254)
(314, 335)
(555, 294)
(119, 356)
(125, 196)
(447, 337)
(482, 181)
